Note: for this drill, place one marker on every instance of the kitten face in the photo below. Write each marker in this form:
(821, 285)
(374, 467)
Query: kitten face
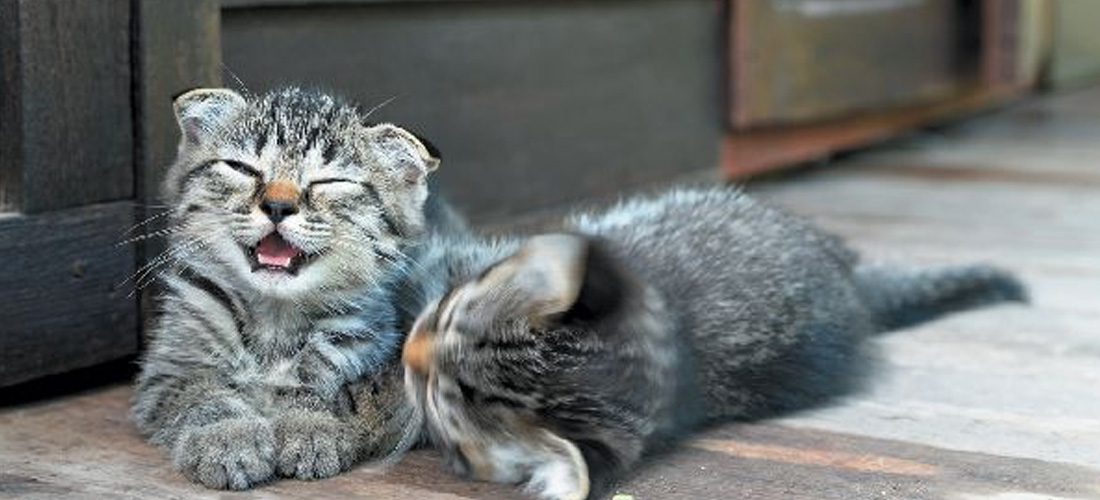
(292, 193)
(475, 361)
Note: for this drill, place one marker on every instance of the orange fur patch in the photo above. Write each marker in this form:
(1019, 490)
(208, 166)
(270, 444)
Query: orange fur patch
(417, 354)
(281, 191)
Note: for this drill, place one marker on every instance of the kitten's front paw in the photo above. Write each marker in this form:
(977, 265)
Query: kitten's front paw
(313, 445)
(231, 454)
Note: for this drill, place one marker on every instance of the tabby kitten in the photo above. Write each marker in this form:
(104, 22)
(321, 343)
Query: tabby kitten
(274, 352)
(561, 360)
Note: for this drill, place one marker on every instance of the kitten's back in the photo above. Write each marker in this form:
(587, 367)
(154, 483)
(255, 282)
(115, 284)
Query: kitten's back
(761, 297)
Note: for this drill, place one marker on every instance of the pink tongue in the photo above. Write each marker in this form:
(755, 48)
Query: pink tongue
(273, 250)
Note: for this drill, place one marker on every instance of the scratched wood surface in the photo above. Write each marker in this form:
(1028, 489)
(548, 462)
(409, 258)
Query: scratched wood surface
(999, 404)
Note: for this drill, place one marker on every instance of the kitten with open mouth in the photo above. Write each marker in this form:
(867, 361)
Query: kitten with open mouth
(292, 218)
(275, 253)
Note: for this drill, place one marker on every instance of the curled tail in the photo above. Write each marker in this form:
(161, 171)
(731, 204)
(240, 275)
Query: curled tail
(900, 297)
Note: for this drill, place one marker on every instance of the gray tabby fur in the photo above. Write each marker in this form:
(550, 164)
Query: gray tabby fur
(252, 374)
(560, 360)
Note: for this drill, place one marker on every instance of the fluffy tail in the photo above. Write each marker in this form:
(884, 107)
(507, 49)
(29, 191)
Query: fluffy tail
(900, 297)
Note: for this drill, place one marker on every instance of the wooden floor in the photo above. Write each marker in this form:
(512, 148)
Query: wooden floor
(999, 404)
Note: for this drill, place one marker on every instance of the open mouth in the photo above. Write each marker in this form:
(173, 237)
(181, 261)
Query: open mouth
(273, 253)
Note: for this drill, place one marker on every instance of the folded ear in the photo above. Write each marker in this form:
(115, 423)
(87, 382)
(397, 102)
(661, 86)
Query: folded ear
(555, 277)
(548, 270)
(199, 111)
(404, 150)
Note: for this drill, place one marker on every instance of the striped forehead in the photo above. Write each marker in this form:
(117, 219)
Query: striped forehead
(292, 134)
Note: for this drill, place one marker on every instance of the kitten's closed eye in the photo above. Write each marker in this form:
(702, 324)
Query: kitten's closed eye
(333, 188)
(243, 168)
(332, 180)
(234, 174)
(228, 168)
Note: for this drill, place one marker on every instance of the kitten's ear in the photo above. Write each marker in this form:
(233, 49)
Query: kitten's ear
(199, 111)
(415, 157)
(548, 271)
(604, 285)
(559, 277)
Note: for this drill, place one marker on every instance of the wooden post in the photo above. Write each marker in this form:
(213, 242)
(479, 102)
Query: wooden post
(177, 48)
(66, 185)
(66, 121)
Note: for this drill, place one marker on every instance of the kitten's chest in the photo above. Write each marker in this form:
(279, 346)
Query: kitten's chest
(275, 336)
(270, 346)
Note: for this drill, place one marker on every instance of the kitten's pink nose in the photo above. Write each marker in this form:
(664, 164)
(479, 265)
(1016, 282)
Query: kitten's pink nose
(418, 352)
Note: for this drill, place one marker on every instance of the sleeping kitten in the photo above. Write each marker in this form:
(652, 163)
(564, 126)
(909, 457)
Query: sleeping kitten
(275, 349)
(561, 360)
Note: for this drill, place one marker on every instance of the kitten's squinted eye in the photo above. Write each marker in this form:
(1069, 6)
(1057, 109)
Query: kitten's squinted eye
(224, 169)
(332, 180)
(243, 168)
(332, 188)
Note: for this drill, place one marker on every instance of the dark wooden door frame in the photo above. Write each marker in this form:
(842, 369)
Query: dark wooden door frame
(86, 130)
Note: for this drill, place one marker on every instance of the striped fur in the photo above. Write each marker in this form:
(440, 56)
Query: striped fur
(561, 360)
(252, 373)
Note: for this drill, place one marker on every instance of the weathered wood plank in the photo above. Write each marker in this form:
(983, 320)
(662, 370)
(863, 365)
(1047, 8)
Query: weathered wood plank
(235, 4)
(11, 108)
(1002, 163)
(522, 121)
(768, 461)
(48, 450)
(981, 382)
(1042, 226)
(1018, 189)
(750, 152)
(1006, 211)
(808, 61)
(1076, 47)
(73, 91)
(177, 48)
(51, 454)
(62, 307)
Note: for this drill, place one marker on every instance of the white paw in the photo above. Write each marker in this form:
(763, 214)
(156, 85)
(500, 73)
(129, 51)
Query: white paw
(563, 475)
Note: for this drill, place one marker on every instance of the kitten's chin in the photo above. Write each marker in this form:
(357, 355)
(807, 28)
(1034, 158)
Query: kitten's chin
(274, 282)
(282, 284)
(321, 277)
(302, 287)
